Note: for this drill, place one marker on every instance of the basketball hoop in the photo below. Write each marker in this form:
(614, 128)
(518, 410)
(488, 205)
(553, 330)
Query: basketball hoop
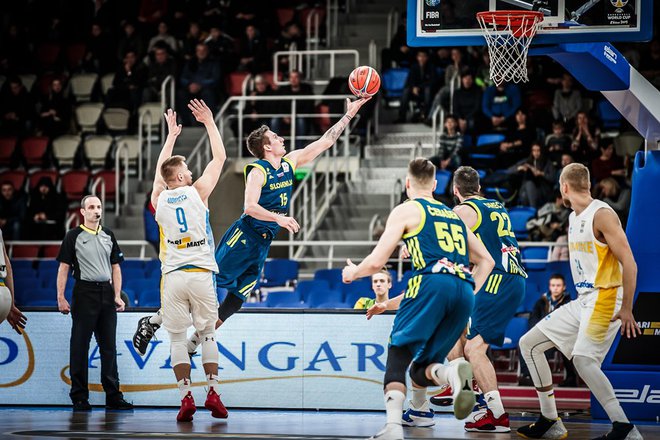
(508, 35)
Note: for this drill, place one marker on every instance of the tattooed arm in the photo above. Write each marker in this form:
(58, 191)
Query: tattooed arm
(314, 150)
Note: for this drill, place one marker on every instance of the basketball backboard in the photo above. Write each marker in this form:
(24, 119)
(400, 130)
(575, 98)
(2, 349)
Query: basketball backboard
(453, 23)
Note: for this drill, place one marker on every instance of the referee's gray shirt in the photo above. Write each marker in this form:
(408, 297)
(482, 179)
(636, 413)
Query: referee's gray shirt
(91, 253)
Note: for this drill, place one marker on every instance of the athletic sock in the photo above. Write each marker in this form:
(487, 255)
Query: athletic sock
(394, 406)
(156, 319)
(212, 382)
(440, 374)
(548, 404)
(494, 402)
(184, 387)
(418, 397)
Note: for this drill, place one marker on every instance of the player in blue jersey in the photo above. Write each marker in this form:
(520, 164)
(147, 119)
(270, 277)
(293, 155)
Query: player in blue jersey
(438, 301)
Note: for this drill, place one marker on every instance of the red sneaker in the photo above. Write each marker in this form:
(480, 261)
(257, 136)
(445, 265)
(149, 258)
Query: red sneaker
(214, 404)
(486, 422)
(445, 396)
(187, 410)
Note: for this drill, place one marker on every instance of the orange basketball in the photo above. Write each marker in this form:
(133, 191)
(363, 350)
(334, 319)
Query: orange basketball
(364, 81)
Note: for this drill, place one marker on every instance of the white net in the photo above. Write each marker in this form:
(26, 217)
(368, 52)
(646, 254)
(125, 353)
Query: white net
(509, 34)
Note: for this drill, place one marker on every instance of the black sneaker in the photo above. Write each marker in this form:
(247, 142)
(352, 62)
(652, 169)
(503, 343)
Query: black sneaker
(544, 428)
(145, 331)
(621, 431)
(119, 405)
(82, 405)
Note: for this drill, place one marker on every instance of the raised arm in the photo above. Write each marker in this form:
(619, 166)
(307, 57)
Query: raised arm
(314, 150)
(253, 184)
(209, 178)
(173, 131)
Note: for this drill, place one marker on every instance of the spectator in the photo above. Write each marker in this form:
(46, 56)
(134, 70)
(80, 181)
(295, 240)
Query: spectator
(256, 108)
(609, 191)
(585, 139)
(566, 159)
(221, 48)
(130, 41)
(555, 297)
(454, 70)
(162, 66)
(15, 53)
(45, 212)
(295, 87)
(557, 143)
(150, 13)
(254, 57)
(55, 110)
(381, 283)
(607, 164)
(99, 57)
(16, 108)
(560, 253)
(91, 250)
(398, 54)
(499, 104)
(199, 80)
(550, 221)
(467, 103)
(537, 177)
(518, 141)
(567, 101)
(291, 36)
(449, 146)
(419, 87)
(194, 37)
(483, 72)
(128, 83)
(12, 211)
(441, 57)
(163, 37)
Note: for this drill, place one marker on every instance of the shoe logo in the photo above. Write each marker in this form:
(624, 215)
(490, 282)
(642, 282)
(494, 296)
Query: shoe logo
(466, 386)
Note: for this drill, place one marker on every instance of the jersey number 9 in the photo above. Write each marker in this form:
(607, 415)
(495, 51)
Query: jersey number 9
(181, 219)
(450, 242)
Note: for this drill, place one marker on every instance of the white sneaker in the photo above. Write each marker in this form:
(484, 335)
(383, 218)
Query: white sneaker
(391, 431)
(421, 417)
(464, 399)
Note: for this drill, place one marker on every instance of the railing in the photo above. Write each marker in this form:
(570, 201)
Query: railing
(122, 148)
(69, 221)
(373, 55)
(395, 195)
(170, 82)
(417, 150)
(296, 58)
(437, 119)
(124, 244)
(375, 221)
(150, 122)
(331, 19)
(99, 182)
(313, 39)
(392, 24)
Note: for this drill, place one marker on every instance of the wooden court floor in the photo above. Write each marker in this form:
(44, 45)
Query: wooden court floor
(61, 423)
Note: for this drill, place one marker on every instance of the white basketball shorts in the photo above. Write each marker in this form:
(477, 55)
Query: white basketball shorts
(188, 298)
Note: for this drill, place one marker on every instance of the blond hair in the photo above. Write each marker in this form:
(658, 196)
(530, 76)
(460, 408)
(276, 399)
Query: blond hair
(576, 176)
(170, 167)
(421, 171)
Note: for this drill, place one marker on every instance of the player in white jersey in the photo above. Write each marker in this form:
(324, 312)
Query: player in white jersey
(605, 273)
(8, 309)
(187, 260)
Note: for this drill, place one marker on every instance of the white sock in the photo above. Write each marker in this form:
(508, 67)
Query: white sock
(184, 387)
(548, 404)
(440, 374)
(494, 402)
(156, 319)
(418, 397)
(193, 343)
(212, 382)
(394, 406)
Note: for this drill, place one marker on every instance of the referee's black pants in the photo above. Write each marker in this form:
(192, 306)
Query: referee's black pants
(93, 311)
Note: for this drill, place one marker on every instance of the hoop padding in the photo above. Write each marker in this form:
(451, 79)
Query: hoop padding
(508, 35)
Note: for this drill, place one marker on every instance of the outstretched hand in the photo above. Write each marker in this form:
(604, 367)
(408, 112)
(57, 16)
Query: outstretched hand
(376, 309)
(173, 129)
(200, 111)
(348, 273)
(352, 107)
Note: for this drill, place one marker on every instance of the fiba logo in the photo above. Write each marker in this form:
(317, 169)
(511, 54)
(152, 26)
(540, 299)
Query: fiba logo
(434, 3)
(619, 3)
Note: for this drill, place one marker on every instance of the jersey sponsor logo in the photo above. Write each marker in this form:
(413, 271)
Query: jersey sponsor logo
(285, 167)
(582, 246)
(280, 185)
(650, 328)
(446, 213)
(186, 242)
(633, 395)
(177, 199)
(584, 285)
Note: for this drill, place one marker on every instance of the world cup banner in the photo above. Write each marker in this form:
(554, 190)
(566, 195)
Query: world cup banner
(267, 360)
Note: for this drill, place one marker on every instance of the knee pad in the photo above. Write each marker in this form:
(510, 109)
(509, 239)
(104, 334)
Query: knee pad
(398, 359)
(418, 375)
(209, 347)
(229, 306)
(179, 349)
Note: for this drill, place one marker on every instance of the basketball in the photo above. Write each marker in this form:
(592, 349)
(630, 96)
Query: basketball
(5, 304)
(364, 81)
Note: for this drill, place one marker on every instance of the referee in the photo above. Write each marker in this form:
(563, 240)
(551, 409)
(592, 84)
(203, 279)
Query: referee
(93, 253)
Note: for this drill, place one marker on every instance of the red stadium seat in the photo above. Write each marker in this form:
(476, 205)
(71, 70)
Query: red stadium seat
(306, 12)
(285, 15)
(7, 148)
(44, 81)
(75, 53)
(47, 54)
(75, 184)
(33, 149)
(17, 178)
(108, 177)
(75, 216)
(26, 251)
(36, 176)
(51, 250)
(235, 83)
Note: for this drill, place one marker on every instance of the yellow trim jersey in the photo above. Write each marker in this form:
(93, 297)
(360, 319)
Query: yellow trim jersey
(186, 238)
(593, 264)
